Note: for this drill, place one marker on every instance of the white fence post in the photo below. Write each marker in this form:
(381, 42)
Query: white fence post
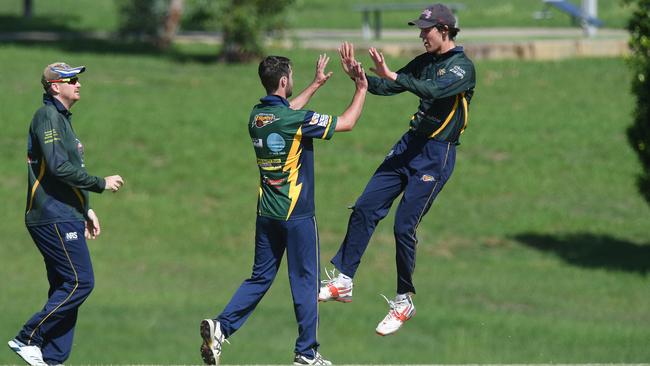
(589, 10)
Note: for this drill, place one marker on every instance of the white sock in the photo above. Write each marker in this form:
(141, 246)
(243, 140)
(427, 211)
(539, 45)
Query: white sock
(401, 297)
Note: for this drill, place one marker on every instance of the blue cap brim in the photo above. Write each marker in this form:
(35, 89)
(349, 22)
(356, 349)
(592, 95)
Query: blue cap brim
(68, 73)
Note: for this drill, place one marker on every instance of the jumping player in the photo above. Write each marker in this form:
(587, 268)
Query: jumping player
(282, 135)
(418, 165)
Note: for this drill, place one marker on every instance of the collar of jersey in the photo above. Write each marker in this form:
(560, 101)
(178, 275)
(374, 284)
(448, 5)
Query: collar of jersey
(274, 100)
(449, 53)
(48, 99)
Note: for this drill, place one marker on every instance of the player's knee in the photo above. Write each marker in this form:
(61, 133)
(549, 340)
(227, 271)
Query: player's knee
(364, 208)
(86, 286)
(404, 234)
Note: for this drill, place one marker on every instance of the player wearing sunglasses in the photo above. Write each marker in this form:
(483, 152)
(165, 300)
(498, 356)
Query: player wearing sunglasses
(59, 218)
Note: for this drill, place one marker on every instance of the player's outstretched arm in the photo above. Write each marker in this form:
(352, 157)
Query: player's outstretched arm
(319, 80)
(347, 120)
(381, 69)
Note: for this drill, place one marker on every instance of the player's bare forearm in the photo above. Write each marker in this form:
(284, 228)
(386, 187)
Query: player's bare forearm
(348, 119)
(303, 98)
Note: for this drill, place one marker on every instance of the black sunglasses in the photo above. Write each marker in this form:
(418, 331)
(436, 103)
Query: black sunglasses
(70, 81)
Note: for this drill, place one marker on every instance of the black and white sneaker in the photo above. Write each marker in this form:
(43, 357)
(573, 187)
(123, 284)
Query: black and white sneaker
(213, 339)
(304, 360)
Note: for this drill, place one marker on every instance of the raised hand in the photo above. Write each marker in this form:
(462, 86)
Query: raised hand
(346, 51)
(321, 77)
(381, 69)
(359, 76)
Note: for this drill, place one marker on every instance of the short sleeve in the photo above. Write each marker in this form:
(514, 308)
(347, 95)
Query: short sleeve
(318, 126)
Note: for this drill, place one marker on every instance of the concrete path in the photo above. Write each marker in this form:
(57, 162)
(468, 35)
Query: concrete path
(479, 43)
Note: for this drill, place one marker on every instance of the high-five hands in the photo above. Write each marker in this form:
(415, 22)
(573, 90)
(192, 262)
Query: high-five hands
(346, 51)
(358, 75)
(381, 69)
(321, 77)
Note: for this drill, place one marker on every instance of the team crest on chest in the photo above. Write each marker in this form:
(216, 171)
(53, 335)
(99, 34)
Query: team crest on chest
(264, 119)
(441, 72)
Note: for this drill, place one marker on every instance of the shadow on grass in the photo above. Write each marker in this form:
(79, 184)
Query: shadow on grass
(13, 23)
(592, 251)
(75, 42)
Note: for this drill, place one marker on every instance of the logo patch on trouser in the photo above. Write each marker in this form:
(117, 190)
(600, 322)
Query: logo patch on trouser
(71, 236)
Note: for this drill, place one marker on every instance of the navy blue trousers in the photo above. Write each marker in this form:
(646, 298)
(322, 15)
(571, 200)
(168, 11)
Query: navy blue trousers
(300, 238)
(70, 274)
(416, 166)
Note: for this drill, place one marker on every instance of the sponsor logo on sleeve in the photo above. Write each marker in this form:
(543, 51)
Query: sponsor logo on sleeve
(264, 119)
(320, 119)
(458, 71)
(50, 136)
(259, 143)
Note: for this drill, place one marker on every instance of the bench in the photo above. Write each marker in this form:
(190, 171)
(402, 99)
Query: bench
(578, 17)
(377, 9)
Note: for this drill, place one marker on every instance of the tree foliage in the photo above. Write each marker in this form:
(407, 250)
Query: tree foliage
(245, 23)
(141, 18)
(639, 132)
(154, 21)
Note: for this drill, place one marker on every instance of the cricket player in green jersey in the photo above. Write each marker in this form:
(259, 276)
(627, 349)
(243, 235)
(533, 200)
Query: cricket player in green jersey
(59, 217)
(282, 135)
(418, 165)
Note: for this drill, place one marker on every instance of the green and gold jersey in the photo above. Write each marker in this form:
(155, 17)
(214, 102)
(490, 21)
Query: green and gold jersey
(445, 84)
(283, 143)
(58, 182)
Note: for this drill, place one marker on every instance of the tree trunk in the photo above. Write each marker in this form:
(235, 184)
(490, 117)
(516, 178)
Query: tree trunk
(28, 7)
(172, 20)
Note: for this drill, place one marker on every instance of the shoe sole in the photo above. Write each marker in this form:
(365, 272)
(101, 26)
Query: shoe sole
(207, 331)
(338, 299)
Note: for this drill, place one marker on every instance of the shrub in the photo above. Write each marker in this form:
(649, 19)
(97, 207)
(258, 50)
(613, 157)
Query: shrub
(639, 133)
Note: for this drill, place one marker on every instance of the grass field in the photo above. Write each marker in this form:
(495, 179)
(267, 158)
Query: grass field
(75, 15)
(535, 252)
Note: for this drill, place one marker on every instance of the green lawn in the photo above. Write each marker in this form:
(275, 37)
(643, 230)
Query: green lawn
(76, 15)
(535, 252)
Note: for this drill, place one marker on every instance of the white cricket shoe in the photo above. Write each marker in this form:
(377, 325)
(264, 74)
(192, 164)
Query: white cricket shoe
(317, 360)
(213, 339)
(31, 354)
(335, 288)
(400, 311)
